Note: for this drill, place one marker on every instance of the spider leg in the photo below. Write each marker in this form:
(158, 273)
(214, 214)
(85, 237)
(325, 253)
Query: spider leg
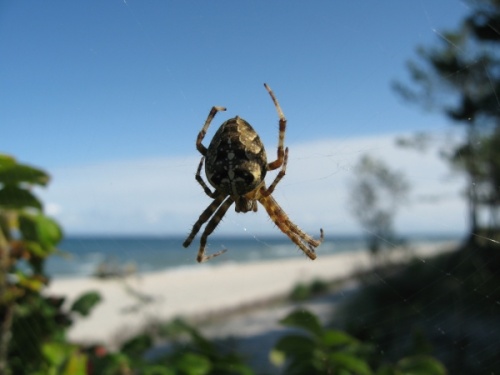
(281, 137)
(293, 230)
(309, 251)
(304, 236)
(199, 146)
(198, 177)
(212, 224)
(305, 242)
(203, 218)
(278, 178)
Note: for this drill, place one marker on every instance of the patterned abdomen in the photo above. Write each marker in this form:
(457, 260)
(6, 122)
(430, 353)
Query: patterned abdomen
(236, 161)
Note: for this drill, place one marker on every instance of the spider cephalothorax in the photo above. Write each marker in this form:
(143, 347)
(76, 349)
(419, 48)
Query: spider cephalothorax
(236, 165)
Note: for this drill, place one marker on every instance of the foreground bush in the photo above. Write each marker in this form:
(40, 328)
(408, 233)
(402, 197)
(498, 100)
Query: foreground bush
(447, 305)
(32, 325)
(316, 350)
(188, 353)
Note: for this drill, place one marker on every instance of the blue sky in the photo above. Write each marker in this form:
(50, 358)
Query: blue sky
(109, 97)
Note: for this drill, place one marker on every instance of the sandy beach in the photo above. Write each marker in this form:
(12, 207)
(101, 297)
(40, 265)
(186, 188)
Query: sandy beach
(128, 304)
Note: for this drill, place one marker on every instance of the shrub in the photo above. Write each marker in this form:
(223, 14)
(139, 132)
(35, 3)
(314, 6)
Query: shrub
(314, 349)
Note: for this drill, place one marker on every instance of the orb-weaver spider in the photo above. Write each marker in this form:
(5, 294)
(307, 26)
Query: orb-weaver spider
(236, 165)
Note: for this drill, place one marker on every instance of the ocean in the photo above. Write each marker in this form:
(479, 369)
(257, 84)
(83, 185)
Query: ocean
(81, 256)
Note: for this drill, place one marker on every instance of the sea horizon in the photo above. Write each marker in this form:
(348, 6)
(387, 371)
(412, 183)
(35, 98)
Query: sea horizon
(83, 254)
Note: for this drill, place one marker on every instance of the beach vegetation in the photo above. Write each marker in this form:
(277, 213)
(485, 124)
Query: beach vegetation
(186, 352)
(446, 306)
(307, 348)
(221, 360)
(304, 291)
(315, 349)
(450, 305)
(32, 325)
(84, 304)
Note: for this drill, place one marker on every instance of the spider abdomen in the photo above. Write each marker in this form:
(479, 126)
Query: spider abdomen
(236, 161)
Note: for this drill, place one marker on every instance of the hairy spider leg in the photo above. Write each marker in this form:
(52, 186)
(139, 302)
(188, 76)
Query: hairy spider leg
(199, 146)
(278, 177)
(280, 218)
(205, 215)
(212, 224)
(205, 187)
(281, 135)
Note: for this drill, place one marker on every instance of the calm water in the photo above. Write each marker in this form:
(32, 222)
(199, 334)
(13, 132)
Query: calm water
(82, 255)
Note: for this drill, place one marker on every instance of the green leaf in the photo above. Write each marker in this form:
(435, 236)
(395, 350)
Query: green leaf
(300, 292)
(55, 352)
(179, 326)
(40, 229)
(64, 359)
(350, 363)
(137, 346)
(305, 320)
(277, 357)
(6, 161)
(5, 226)
(14, 197)
(295, 346)
(421, 365)
(35, 249)
(157, 370)
(387, 369)
(10, 294)
(31, 283)
(76, 364)
(85, 303)
(193, 364)
(333, 338)
(233, 367)
(111, 364)
(15, 174)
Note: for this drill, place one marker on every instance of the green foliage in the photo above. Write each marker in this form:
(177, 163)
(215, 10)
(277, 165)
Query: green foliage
(304, 291)
(85, 303)
(423, 365)
(137, 346)
(190, 354)
(63, 359)
(15, 174)
(32, 325)
(317, 350)
(203, 351)
(14, 197)
(442, 306)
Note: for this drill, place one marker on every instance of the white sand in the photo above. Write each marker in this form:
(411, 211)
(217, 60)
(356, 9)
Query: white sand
(197, 291)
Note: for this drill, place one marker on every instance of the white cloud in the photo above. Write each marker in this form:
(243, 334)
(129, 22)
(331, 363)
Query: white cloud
(161, 196)
(53, 209)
